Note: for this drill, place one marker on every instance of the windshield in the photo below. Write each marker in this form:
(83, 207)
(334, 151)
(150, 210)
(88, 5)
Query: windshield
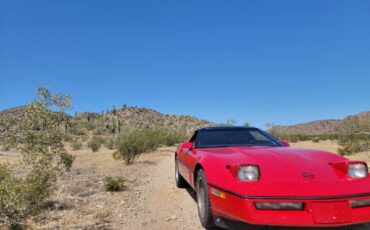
(234, 137)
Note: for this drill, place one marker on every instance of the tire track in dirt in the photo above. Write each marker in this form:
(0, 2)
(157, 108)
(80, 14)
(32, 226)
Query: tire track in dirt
(172, 208)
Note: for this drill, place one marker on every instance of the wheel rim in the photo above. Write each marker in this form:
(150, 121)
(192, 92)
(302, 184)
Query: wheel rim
(201, 197)
(176, 171)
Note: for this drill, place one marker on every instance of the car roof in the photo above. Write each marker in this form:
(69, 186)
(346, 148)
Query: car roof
(224, 127)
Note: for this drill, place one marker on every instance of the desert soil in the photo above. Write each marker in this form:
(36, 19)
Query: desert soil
(149, 201)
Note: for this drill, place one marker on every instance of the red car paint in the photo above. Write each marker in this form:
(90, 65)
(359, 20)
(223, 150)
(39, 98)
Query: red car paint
(317, 178)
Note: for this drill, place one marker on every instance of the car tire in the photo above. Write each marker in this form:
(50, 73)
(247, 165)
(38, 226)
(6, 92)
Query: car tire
(359, 227)
(180, 181)
(203, 203)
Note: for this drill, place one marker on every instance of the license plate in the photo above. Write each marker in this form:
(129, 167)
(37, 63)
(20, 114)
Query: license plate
(331, 212)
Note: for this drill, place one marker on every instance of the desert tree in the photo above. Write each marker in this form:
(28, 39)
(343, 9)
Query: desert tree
(38, 134)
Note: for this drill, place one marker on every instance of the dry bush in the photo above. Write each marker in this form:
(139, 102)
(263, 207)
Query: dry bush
(76, 145)
(110, 143)
(112, 184)
(95, 143)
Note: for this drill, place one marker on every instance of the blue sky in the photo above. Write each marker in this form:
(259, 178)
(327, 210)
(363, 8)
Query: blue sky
(259, 61)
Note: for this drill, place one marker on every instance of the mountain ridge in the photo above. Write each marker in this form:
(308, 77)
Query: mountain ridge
(353, 123)
(136, 117)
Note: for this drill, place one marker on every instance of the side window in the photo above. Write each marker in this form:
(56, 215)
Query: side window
(258, 136)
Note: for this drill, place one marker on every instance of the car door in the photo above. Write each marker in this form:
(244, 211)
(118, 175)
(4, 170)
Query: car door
(186, 160)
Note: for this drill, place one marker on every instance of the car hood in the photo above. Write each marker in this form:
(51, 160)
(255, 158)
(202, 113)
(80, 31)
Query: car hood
(287, 170)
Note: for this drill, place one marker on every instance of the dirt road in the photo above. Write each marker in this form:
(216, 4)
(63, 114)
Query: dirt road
(150, 200)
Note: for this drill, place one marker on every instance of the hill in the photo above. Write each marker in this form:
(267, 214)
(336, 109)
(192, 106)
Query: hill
(113, 121)
(359, 123)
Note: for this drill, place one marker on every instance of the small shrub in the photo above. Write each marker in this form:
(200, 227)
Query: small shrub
(76, 145)
(98, 131)
(67, 138)
(67, 160)
(78, 130)
(22, 197)
(5, 148)
(114, 184)
(95, 143)
(345, 150)
(315, 140)
(110, 143)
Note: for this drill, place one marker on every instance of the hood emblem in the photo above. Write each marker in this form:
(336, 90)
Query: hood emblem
(307, 175)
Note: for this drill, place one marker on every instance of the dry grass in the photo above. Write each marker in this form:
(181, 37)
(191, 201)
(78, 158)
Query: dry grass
(9, 156)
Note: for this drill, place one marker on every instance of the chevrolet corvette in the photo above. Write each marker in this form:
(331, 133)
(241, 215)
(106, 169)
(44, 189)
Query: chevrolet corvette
(244, 174)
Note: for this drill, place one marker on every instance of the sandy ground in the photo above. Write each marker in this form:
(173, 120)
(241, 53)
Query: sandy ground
(150, 200)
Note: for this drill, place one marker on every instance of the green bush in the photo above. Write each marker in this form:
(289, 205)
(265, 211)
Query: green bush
(171, 138)
(114, 184)
(95, 143)
(345, 150)
(13, 206)
(131, 145)
(67, 160)
(134, 143)
(23, 197)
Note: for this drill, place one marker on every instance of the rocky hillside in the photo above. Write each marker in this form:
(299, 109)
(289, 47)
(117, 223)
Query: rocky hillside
(137, 117)
(359, 123)
(112, 121)
(13, 112)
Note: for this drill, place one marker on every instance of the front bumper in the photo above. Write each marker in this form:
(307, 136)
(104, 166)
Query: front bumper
(316, 212)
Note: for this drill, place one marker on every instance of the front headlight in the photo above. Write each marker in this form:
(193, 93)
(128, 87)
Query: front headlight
(248, 173)
(357, 170)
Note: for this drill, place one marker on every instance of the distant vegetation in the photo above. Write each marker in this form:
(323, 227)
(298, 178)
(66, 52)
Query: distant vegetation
(352, 133)
(105, 128)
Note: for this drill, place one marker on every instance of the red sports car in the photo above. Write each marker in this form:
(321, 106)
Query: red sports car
(247, 175)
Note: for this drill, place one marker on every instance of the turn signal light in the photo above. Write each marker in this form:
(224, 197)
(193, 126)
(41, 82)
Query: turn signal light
(360, 203)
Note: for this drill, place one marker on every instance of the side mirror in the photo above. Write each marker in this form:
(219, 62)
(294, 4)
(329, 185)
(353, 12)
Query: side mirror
(285, 143)
(187, 145)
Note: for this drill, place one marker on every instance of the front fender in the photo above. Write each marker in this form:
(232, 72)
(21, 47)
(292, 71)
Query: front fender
(217, 172)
